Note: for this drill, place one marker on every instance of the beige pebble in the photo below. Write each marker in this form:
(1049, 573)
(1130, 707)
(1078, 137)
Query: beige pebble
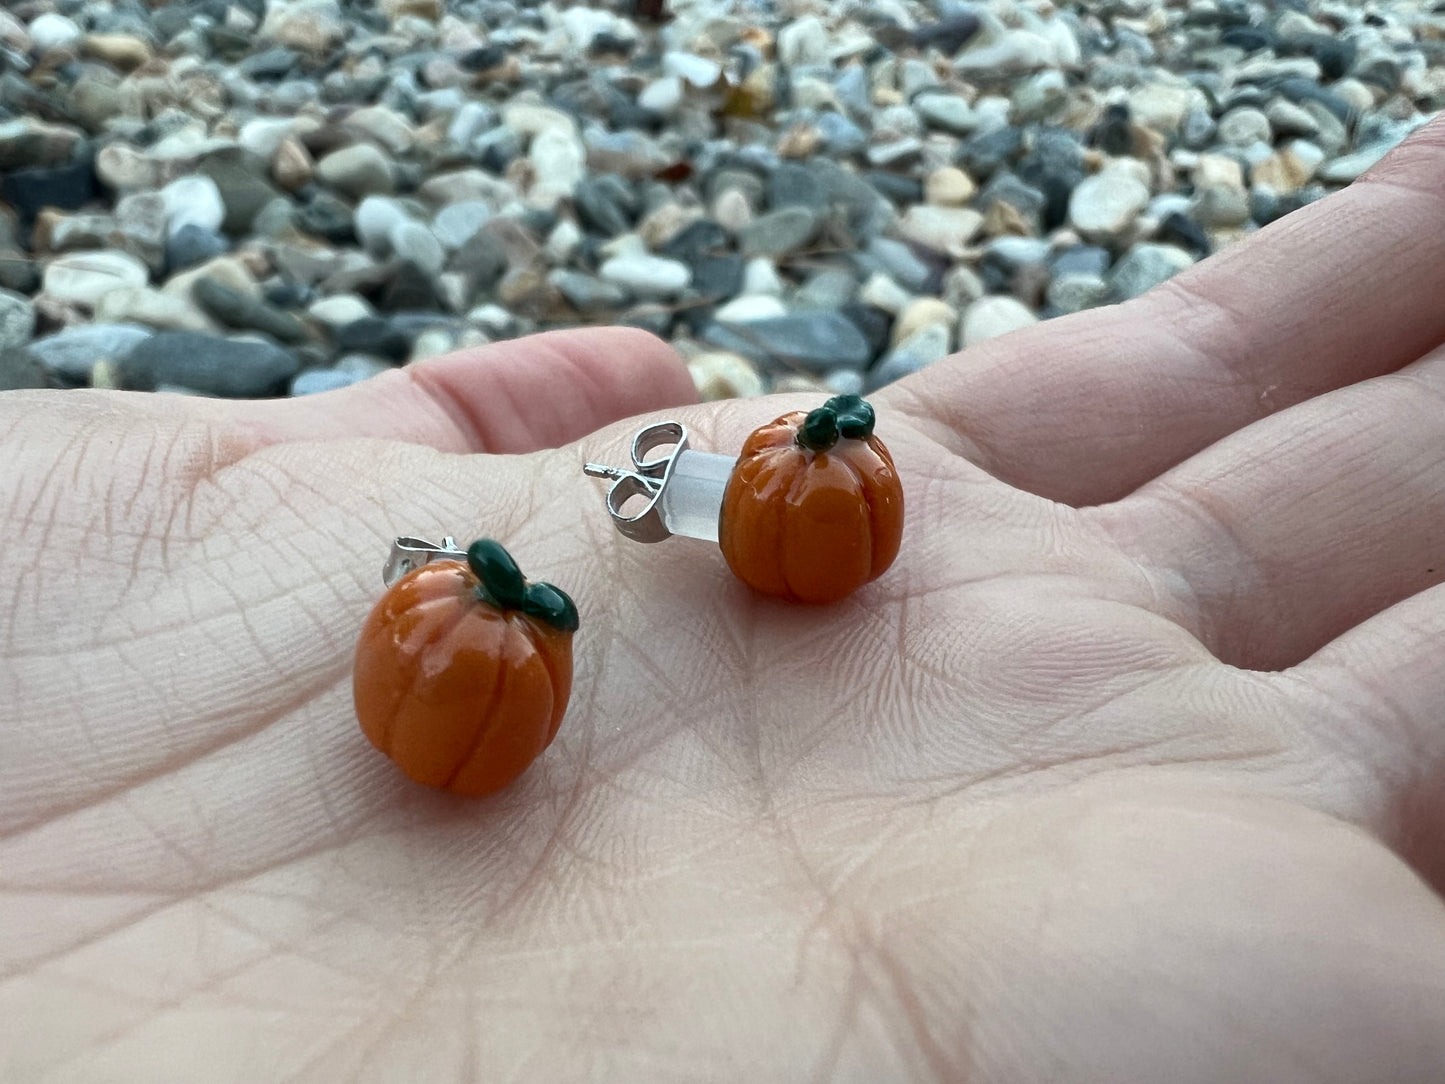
(948, 187)
(920, 314)
(720, 375)
(292, 166)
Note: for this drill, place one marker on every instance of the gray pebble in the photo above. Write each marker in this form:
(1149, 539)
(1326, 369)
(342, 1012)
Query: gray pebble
(813, 341)
(235, 368)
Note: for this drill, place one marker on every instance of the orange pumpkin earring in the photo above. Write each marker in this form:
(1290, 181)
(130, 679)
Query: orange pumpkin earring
(810, 511)
(463, 669)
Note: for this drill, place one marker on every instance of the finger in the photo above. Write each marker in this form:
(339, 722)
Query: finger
(1378, 695)
(1087, 408)
(1284, 535)
(517, 396)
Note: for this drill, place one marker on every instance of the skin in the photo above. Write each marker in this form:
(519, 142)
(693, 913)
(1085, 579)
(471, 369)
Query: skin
(1132, 768)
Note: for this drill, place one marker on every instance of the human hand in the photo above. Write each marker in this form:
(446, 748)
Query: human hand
(1130, 768)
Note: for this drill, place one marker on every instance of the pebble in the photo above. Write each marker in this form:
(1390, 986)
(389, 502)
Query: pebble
(71, 353)
(84, 277)
(922, 313)
(153, 308)
(1145, 266)
(719, 375)
(925, 346)
(357, 171)
(647, 276)
(315, 381)
(813, 341)
(1103, 207)
(17, 320)
(948, 187)
(418, 245)
(193, 201)
(50, 30)
(779, 232)
(234, 368)
(244, 312)
(992, 316)
(338, 310)
(1243, 126)
(943, 229)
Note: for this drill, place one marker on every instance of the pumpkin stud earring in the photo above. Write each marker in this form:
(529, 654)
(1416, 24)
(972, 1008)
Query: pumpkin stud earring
(810, 510)
(463, 668)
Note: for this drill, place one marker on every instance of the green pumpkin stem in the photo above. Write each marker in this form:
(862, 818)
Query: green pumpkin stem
(841, 416)
(500, 583)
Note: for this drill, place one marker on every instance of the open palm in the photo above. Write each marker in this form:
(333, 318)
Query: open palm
(1131, 768)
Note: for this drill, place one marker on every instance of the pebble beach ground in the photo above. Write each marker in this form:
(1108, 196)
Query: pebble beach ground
(247, 198)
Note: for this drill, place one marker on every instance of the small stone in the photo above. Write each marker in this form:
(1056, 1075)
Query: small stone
(1145, 266)
(662, 96)
(237, 368)
(528, 119)
(1290, 168)
(902, 264)
(153, 308)
(51, 31)
(947, 112)
(382, 126)
(20, 370)
(732, 210)
(1348, 168)
(647, 276)
(1243, 126)
(82, 278)
(357, 171)
(227, 270)
(125, 52)
(362, 366)
(243, 193)
(883, 293)
(339, 310)
(71, 353)
(990, 317)
(948, 187)
(750, 307)
(316, 381)
(1161, 106)
(925, 346)
(1286, 118)
(1076, 292)
(27, 143)
(943, 229)
(456, 224)
(560, 161)
(375, 219)
(697, 70)
(803, 41)
(376, 336)
(193, 201)
(920, 314)
(814, 341)
(719, 375)
(1218, 206)
(414, 242)
(829, 288)
(122, 168)
(245, 313)
(291, 166)
(1103, 207)
(313, 26)
(17, 320)
(760, 277)
(588, 294)
(779, 232)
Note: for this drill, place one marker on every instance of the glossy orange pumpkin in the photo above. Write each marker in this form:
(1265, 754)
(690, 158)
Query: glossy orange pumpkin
(814, 508)
(463, 671)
